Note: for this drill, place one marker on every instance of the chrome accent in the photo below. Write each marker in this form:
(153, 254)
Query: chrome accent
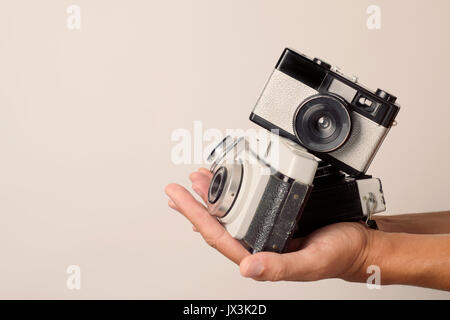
(224, 203)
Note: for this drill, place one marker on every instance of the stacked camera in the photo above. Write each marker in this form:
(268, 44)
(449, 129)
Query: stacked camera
(328, 130)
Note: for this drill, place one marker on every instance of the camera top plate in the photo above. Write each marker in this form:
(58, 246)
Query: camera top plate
(378, 106)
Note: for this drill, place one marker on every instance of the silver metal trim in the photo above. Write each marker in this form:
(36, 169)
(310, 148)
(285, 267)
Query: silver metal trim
(221, 150)
(318, 96)
(224, 203)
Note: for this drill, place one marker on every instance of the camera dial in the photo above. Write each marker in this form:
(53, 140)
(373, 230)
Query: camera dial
(385, 95)
(322, 123)
(322, 63)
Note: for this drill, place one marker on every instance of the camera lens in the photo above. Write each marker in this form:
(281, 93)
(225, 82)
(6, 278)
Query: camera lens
(217, 185)
(224, 188)
(324, 126)
(322, 123)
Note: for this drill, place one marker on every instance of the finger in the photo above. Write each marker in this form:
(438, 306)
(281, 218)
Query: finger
(200, 184)
(201, 177)
(202, 173)
(201, 180)
(172, 204)
(270, 266)
(206, 172)
(210, 229)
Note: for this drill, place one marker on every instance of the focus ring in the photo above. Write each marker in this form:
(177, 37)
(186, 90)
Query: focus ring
(322, 123)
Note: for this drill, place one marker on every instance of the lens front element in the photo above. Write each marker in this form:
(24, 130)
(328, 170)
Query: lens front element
(217, 185)
(224, 188)
(322, 123)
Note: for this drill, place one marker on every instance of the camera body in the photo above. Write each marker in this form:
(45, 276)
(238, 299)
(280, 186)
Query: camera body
(337, 197)
(326, 112)
(258, 201)
(264, 199)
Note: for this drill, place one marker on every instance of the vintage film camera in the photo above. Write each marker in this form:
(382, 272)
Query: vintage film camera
(259, 202)
(328, 113)
(264, 203)
(318, 112)
(337, 197)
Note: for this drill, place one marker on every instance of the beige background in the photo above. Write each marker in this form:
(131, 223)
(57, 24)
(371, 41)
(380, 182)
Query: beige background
(86, 118)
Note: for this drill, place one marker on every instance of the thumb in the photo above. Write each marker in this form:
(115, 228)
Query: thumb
(270, 266)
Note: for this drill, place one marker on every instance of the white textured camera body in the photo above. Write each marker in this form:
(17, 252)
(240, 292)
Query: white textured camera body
(280, 99)
(331, 115)
(280, 157)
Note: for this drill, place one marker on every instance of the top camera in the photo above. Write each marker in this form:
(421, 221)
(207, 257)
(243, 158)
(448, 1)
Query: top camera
(331, 115)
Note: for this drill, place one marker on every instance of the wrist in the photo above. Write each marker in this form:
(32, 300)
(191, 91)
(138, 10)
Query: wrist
(365, 256)
(410, 259)
(379, 254)
(373, 253)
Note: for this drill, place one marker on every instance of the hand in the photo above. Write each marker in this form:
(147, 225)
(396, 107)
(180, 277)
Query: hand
(335, 251)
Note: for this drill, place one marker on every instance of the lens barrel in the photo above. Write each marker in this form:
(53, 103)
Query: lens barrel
(322, 123)
(217, 185)
(224, 188)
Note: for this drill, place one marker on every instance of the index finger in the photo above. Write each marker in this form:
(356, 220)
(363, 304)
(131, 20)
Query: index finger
(210, 229)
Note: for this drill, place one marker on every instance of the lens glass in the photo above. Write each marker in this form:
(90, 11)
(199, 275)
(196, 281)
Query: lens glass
(217, 185)
(322, 123)
(324, 126)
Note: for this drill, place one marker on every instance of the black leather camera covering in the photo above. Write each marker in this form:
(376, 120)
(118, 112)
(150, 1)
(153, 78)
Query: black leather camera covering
(330, 202)
(276, 215)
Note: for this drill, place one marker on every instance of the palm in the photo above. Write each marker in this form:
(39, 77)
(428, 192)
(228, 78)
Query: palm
(336, 248)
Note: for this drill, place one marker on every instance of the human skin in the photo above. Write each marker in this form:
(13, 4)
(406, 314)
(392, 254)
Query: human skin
(418, 223)
(343, 250)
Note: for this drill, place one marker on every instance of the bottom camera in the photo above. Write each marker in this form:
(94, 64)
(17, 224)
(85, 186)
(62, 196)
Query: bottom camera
(257, 199)
(266, 198)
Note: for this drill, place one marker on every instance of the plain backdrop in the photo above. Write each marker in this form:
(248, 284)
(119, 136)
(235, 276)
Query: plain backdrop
(86, 118)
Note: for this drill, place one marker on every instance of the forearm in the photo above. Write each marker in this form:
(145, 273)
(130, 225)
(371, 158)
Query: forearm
(411, 259)
(419, 223)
